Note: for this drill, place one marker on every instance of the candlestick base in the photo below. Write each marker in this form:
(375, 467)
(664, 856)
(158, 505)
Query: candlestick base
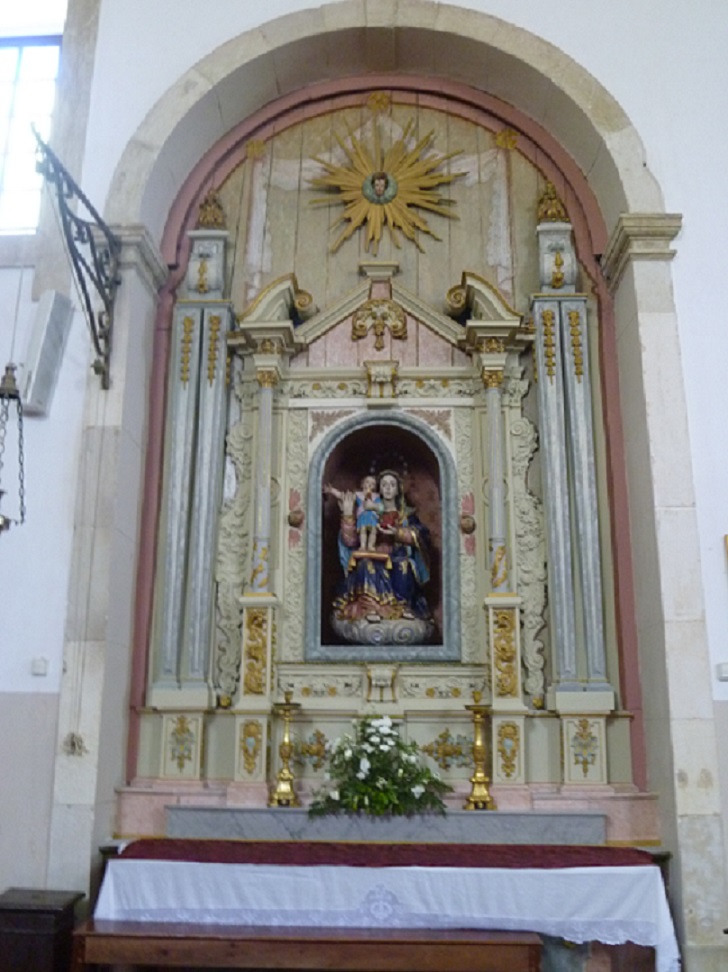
(284, 795)
(480, 798)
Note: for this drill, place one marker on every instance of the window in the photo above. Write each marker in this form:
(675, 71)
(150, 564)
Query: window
(28, 70)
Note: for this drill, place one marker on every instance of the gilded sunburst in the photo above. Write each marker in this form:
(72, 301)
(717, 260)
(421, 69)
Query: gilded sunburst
(382, 189)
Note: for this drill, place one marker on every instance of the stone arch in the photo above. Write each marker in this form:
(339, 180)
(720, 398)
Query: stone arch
(271, 63)
(264, 76)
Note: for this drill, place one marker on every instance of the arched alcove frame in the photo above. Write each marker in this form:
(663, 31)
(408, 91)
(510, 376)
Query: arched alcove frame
(161, 185)
(449, 649)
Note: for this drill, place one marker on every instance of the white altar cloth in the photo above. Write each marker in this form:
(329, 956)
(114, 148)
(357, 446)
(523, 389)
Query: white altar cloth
(581, 904)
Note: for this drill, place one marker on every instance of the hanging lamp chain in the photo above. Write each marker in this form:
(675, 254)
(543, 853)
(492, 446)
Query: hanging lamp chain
(21, 462)
(4, 409)
(9, 392)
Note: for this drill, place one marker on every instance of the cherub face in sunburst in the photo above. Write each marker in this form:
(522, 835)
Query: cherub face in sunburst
(380, 183)
(383, 189)
(379, 188)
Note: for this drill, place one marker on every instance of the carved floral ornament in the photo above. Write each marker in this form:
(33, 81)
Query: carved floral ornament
(585, 745)
(504, 653)
(379, 316)
(251, 741)
(211, 214)
(256, 634)
(550, 207)
(508, 747)
(181, 741)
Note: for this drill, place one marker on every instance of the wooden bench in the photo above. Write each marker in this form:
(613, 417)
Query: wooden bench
(340, 949)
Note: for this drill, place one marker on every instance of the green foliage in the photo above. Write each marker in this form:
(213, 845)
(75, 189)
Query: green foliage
(375, 772)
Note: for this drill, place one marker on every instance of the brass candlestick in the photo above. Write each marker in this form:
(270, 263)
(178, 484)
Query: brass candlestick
(284, 795)
(480, 798)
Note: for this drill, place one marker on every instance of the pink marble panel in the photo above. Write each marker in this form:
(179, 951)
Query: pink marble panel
(141, 814)
(434, 352)
(366, 351)
(201, 799)
(631, 817)
(149, 514)
(512, 797)
(340, 350)
(141, 809)
(460, 359)
(300, 362)
(406, 352)
(253, 795)
(317, 353)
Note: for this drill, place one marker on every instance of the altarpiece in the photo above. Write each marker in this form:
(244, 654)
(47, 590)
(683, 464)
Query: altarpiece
(384, 483)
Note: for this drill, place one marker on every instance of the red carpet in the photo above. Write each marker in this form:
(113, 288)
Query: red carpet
(384, 855)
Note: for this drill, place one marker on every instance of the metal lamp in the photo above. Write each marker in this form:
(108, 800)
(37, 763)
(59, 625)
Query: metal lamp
(9, 393)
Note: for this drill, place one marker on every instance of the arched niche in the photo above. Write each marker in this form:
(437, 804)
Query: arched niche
(384, 440)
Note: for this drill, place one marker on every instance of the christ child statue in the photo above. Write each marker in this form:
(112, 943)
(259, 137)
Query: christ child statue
(367, 508)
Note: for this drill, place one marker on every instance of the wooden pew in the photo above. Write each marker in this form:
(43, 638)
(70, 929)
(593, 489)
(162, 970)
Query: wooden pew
(168, 944)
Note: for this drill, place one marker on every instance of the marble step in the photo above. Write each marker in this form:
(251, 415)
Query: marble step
(457, 827)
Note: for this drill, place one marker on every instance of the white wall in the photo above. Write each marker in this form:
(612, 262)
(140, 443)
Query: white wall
(35, 557)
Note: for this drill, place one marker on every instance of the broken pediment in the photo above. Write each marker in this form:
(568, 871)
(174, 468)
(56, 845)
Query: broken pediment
(377, 321)
(479, 300)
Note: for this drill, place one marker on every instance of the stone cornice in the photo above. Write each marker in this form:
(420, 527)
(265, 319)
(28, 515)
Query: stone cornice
(639, 236)
(139, 251)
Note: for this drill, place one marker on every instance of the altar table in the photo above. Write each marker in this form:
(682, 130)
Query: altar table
(303, 949)
(611, 895)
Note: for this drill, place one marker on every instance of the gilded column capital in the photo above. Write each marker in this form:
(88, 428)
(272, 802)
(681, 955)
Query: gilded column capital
(492, 379)
(639, 236)
(492, 345)
(267, 377)
(269, 346)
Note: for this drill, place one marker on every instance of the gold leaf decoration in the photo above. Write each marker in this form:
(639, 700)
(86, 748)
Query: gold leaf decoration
(382, 189)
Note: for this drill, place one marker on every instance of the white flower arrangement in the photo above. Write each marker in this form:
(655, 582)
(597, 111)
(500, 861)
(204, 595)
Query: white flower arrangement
(376, 772)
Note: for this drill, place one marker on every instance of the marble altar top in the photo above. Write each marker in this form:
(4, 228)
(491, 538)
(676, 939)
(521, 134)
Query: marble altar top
(457, 827)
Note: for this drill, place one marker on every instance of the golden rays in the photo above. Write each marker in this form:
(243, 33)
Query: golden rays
(382, 189)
